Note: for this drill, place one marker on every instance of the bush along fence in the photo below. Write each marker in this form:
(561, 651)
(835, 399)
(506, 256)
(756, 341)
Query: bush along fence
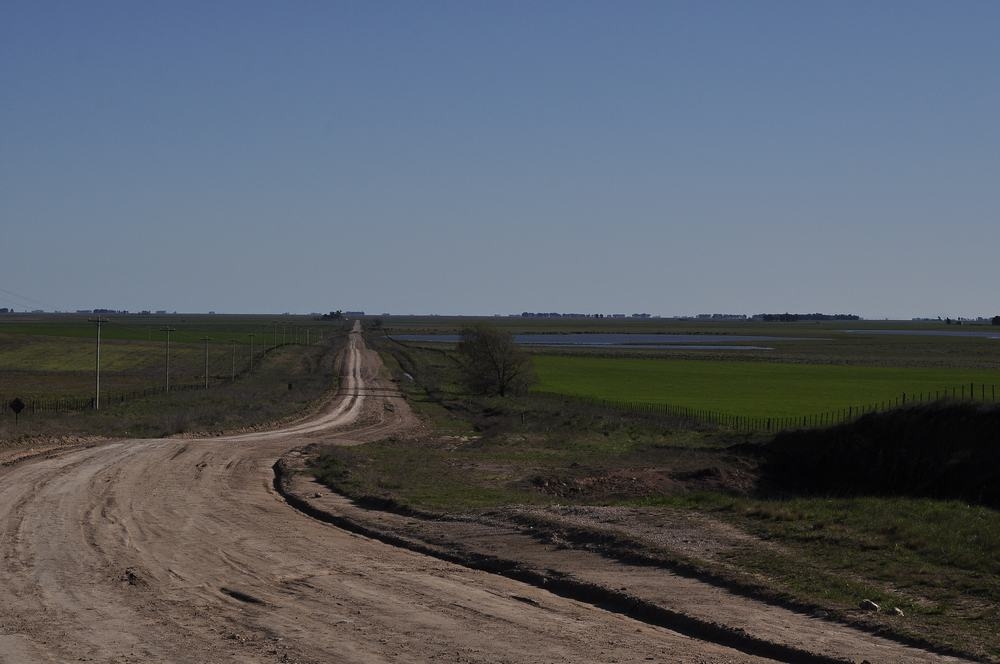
(981, 392)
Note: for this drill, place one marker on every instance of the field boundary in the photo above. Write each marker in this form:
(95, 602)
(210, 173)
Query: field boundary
(42, 404)
(965, 393)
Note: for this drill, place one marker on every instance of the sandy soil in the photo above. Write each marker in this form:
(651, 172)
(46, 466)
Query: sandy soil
(180, 550)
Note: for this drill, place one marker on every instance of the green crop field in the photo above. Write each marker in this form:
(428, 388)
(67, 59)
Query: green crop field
(48, 361)
(757, 389)
(53, 356)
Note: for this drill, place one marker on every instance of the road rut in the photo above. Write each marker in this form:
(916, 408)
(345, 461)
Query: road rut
(179, 550)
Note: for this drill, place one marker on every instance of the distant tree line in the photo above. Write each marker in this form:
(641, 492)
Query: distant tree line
(555, 314)
(791, 318)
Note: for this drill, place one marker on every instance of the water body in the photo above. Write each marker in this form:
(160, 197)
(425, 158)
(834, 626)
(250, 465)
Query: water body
(595, 340)
(981, 334)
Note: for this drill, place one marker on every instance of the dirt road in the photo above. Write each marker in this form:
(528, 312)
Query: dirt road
(180, 550)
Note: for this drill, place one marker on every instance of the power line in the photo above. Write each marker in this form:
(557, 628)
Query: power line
(166, 364)
(206, 340)
(25, 298)
(252, 335)
(97, 388)
(234, 360)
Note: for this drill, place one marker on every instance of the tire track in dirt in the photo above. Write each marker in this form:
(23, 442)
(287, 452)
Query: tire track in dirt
(179, 550)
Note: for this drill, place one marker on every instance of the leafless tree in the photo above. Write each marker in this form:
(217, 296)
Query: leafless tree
(493, 363)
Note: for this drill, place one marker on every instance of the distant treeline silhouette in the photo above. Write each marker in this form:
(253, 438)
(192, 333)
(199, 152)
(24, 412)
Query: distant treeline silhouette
(791, 318)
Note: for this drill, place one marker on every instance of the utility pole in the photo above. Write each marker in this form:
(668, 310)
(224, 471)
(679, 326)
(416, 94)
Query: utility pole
(234, 360)
(97, 387)
(275, 331)
(166, 363)
(206, 340)
(307, 336)
(284, 328)
(252, 335)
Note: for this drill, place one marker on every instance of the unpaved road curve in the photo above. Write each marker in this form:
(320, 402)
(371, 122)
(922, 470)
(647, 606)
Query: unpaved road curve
(180, 551)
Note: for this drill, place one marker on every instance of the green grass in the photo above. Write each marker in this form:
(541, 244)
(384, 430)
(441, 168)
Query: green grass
(263, 396)
(43, 354)
(758, 389)
(935, 560)
(50, 355)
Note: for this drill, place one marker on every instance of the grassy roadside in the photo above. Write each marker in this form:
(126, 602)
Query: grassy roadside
(288, 380)
(935, 560)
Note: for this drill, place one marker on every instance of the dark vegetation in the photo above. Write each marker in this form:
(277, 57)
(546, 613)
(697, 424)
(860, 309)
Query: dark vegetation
(944, 451)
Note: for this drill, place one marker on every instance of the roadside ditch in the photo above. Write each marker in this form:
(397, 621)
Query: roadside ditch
(600, 569)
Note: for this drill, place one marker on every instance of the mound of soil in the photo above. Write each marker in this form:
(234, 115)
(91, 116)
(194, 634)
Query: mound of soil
(727, 474)
(935, 451)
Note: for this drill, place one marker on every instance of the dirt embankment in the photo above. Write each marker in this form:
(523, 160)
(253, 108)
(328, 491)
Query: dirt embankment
(606, 557)
(43, 446)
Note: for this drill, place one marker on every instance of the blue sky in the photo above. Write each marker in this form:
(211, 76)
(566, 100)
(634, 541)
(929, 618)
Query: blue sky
(495, 157)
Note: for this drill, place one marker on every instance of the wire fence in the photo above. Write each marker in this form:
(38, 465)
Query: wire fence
(37, 405)
(982, 392)
(33, 405)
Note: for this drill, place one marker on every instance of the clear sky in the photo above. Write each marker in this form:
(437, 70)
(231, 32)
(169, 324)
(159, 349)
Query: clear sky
(495, 157)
